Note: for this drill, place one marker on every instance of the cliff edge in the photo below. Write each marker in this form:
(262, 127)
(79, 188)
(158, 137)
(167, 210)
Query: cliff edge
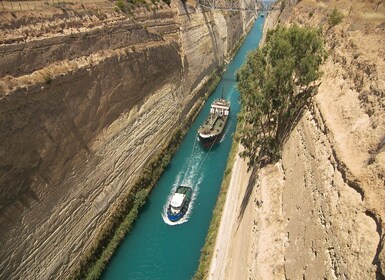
(319, 212)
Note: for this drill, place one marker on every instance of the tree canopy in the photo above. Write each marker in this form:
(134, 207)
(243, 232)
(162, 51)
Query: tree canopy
(275, 83)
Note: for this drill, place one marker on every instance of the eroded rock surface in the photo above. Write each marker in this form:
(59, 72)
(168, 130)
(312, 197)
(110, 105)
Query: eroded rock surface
(87, 97)
(319, 212)
(331, 211)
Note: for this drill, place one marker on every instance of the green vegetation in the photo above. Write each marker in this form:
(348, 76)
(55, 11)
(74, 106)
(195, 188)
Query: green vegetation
(121, 5)
(48, 79)
(335, 17)
(127, 5)
(126, 211)
(212, 84)
(95, 260)
(275, 83)
(208, 249)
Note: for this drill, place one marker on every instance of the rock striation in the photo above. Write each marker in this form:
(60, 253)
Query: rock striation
(326, 211)
(87, 96)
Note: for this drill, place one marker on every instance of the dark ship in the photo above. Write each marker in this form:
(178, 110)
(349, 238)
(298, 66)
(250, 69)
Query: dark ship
(212, 129)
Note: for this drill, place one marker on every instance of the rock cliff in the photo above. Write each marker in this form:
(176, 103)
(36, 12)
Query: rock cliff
(87, 96)
(322, 207)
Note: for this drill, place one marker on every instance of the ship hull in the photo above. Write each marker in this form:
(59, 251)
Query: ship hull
(175, 218)
(207, 140)
(212, 129)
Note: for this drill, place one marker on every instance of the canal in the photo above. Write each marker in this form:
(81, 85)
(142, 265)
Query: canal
(155, 249)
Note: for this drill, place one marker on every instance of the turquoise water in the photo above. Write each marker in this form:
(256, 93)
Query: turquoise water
(155, 249)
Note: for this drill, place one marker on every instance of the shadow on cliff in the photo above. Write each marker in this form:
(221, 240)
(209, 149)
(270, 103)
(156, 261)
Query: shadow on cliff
(186, 10)
(212, 36)
(247, 195)
(295, 112)
(378, 258)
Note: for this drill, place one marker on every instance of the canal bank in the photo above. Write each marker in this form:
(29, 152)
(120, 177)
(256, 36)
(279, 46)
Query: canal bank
(229, 252)
(156, 250)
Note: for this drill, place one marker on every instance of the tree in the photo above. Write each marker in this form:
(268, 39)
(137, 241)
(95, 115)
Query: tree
(275, 83)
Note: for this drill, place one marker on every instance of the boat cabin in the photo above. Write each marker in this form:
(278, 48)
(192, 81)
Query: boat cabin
(177, 201)
(219, 109)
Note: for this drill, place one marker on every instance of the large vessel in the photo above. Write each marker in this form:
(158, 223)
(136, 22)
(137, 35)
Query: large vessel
(179, 203)
(212, 129)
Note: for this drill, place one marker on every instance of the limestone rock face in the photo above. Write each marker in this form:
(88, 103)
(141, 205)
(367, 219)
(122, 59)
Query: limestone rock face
(87, 96)
(331, 215)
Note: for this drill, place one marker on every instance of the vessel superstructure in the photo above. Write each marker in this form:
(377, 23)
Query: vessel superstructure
(213, 127)
(179, 203)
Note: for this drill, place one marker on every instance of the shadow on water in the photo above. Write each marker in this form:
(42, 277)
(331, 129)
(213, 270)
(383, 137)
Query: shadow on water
(145, 207)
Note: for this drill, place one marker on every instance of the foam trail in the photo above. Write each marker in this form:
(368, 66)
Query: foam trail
(232, 90)
(193, 180)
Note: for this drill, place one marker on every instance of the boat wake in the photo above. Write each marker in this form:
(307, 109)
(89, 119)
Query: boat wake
(192, 179)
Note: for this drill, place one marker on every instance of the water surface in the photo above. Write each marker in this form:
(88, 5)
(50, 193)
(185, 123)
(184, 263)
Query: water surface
(156, 250)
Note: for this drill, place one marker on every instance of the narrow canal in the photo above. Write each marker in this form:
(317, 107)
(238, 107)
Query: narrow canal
(155, 249)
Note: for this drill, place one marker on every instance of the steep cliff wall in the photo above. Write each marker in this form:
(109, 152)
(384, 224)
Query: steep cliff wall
(87, 97)
(328, 201)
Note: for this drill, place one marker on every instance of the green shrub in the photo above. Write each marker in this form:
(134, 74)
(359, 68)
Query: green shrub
(121, 5)
(335, 17)
(48, 79)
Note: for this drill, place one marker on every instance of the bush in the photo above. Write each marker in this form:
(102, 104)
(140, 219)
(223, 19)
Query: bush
(120, 4)
(335, 17)
(48, 79)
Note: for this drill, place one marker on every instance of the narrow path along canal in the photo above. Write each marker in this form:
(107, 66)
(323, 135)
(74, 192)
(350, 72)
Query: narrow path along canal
(156, 250)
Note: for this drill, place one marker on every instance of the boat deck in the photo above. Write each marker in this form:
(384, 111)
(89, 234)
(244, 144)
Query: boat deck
(184, 190)
(214, 124)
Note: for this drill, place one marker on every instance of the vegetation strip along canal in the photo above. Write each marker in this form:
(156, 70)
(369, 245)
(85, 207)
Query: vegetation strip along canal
(155, 249)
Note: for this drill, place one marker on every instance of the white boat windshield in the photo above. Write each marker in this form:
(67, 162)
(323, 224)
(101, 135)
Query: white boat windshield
(177, 200)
